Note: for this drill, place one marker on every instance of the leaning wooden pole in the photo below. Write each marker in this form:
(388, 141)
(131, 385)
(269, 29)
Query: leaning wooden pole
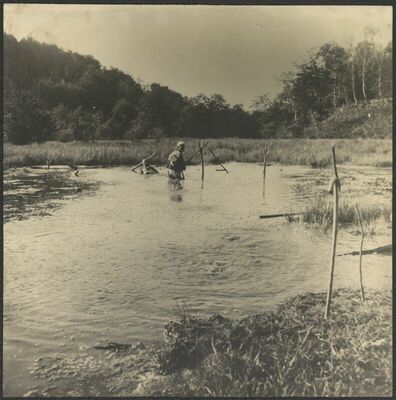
(195, 153)
(201, 147)
(223, 168)
(333, 189)
(360, 251)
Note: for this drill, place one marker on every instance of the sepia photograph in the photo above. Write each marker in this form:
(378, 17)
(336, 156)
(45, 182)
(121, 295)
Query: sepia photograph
(197, 200)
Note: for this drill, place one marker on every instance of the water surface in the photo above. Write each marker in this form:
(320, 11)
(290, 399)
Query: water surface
(113, 266)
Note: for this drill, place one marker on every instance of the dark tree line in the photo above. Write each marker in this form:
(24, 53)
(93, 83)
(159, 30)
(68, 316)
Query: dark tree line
(51, 94)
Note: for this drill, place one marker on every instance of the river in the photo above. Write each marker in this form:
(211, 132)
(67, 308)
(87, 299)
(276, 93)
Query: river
(113, 266)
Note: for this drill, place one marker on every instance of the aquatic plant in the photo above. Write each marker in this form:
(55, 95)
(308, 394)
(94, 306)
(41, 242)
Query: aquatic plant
(319, 213)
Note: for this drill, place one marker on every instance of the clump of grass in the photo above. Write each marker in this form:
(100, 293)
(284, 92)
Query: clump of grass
(320, 214)
(290, 352)
(189, 340)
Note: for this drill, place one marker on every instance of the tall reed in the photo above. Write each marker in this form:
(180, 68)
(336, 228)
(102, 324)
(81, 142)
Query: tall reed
(284, 151)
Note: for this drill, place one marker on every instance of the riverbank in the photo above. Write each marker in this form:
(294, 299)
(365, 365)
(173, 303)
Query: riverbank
(315, 153)
(292, 351)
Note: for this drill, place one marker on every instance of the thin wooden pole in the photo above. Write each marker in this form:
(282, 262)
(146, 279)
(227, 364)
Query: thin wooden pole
(201, 146)
(265, 159)
(334, 188)
(360, 251)
(264, 170)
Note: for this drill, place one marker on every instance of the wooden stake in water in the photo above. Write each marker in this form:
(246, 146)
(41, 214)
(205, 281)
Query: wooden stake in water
(360, 251)
(201, 146)
(335, 186)
(264, 170)
(265, 160)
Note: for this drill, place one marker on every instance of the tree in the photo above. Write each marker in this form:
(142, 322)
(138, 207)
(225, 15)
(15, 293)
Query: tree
(159, 110)
(85, 125)
(242, 124)
(312, 90)
(261, 103)
(334, 59)
(352, 70)
(386, 72)
(121, 118)
(288, 95)
(25, 119)
(383, 68)
(366, 61)
(194, 120)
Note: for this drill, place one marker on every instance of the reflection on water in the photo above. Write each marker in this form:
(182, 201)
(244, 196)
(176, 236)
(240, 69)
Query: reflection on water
(113, 266)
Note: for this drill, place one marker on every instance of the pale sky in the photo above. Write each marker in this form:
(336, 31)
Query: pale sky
(237, 51)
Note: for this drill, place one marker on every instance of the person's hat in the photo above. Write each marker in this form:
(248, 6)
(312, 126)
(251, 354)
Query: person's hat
(180, 144)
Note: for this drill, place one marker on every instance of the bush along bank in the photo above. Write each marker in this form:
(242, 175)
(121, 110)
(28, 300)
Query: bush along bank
(293, 351)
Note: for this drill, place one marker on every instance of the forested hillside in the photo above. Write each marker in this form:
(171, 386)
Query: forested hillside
(51, 94)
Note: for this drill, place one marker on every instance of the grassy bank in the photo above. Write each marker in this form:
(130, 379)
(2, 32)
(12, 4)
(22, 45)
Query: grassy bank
(357, 120)
(316, 153)
(290, 352)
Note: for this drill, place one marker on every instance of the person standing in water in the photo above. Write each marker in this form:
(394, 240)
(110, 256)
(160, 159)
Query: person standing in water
(176, 165)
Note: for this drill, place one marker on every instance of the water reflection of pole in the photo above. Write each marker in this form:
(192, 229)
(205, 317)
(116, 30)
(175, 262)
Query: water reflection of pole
(334, 187)
(201, 146)
(360, 251)
(264, 170)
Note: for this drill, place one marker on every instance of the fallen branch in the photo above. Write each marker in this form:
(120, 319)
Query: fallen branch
(279, 215)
